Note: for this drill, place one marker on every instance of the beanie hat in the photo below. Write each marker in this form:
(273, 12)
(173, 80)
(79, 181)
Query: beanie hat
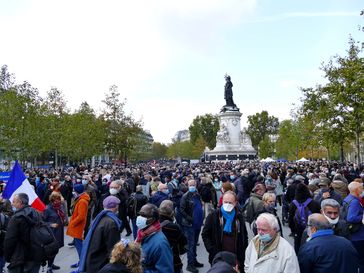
(79, 188)
(110, 202)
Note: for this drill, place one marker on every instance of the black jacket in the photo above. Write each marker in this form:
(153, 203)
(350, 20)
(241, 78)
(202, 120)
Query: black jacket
(213, 231)
(141, 199)
(102, 241)
(187, 206)
(17, 238)
(176, 238)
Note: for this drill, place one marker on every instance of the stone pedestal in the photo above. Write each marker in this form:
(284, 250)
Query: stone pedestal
(231, 143)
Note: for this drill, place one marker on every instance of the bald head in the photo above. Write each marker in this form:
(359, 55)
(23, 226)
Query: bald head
(317, 222)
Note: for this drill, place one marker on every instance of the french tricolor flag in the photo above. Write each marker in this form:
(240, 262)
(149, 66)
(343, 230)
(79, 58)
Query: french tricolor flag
(18, 183)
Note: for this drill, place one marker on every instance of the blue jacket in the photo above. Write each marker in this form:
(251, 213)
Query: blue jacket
(157, 254)
(355, 215)
(158, 198)
(326, 252)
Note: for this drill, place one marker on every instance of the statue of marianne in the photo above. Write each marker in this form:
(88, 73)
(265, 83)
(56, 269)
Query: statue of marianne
(228, 95)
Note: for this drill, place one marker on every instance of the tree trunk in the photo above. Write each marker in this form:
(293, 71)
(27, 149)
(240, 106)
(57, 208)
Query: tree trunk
(357, 144)
(55, 159)
(342, 157)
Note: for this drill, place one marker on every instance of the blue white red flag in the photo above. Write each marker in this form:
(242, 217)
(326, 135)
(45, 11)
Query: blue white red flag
(18, 183)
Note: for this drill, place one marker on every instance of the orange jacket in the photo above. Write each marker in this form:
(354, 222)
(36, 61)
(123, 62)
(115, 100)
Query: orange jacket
(78, 220)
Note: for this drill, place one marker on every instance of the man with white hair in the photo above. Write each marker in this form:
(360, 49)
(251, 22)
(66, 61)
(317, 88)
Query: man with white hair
(268, 252)
(354, 217)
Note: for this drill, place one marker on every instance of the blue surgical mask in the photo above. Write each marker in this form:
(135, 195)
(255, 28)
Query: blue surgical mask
(265, 238)
(84, 182)
(13, 208)
(232, 177)
(141, 222)
(191, 188)
(166, 191)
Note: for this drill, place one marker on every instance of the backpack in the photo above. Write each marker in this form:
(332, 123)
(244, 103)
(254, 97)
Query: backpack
(131, 206)
(302, 213)
(43, 244)
(352, 227)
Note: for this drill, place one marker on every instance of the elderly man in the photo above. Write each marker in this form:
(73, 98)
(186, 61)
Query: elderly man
(101, 238)
(225, 230)
(157, 253)
(175, 236)
(354, 217)
(268, 252)
(192, 219)
(255, 203)
(161, 195)
(115, 189)
(326, 252)
(330, 209)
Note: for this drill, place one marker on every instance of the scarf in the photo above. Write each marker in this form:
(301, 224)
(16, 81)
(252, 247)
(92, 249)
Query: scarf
(142, 234)
(86, 242)
(58, 208)
(229, 218)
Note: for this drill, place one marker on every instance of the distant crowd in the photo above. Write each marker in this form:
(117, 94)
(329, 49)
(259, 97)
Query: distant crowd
(165, 208)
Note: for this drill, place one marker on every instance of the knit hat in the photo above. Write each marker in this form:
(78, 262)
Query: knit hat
(79, 188)
(111, 202)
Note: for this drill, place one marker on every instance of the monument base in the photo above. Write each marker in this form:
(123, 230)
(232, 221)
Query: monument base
(232, 144)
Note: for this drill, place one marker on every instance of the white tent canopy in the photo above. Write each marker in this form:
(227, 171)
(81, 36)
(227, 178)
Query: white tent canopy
(303, 160)
(268, 159)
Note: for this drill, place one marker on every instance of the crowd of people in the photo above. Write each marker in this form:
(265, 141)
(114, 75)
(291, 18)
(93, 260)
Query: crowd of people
(165, 207)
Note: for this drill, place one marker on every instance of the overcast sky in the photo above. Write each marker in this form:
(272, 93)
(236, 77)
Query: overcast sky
(168, 58)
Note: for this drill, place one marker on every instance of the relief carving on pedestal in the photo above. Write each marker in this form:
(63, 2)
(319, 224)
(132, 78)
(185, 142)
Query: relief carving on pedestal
(223, 135)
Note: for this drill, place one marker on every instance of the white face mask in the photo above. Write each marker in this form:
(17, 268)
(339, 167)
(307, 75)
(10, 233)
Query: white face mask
(141, 222)
(113, 191)
(227, 207)
(331, 221)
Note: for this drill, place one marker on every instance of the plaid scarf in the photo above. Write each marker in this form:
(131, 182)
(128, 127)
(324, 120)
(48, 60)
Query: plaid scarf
(142, 234)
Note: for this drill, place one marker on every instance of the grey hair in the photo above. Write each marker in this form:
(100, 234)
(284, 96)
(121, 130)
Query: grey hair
(23, 198)
(329, 203)
(270, 218)
(353, 186)
(319, 225)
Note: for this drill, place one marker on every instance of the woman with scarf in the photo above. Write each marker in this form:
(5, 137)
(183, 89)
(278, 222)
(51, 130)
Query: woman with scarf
(224, 230)
(55, 216)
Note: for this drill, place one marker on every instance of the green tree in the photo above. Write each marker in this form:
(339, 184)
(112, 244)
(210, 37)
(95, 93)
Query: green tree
(266, 147)
(54, 111)
(83, 134)
(180, 149)
(159, 150)
(288, 142)
(260, 126)
(335, 108)
(121, 129)
(205, 126)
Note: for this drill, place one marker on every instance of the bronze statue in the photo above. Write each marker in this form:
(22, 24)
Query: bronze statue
(228, 95)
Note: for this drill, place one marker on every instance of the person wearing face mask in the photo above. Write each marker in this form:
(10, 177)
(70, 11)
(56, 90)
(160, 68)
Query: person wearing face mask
(157, 253)
(225, 230)
(192, 219)
(115, 189)
(269, 206)
(104, 233)
(161, 195)
(354, 218)
(326, 252)
(90, 189)
(330, 209)
(269, 252)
